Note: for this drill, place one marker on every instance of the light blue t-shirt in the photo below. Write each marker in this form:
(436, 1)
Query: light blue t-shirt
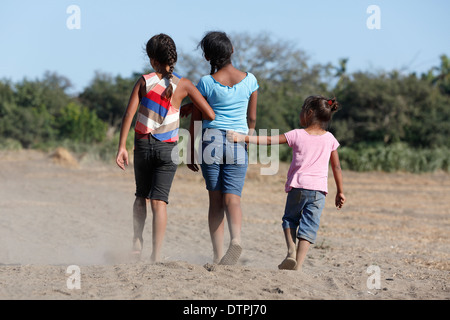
(230, 104)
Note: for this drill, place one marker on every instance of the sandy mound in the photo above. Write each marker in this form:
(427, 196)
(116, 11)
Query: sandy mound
(64, 158)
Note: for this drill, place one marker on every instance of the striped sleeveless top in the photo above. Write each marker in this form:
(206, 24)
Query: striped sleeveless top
(156, 115)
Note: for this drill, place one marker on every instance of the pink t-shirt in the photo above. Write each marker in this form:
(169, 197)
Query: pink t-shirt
(311, 156)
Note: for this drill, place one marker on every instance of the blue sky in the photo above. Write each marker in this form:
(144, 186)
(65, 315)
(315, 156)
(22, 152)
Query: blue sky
(35, 38)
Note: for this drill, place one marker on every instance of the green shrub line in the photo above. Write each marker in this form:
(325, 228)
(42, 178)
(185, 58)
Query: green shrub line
(398, 157)
(104, 151)
(394, 158)
(387, 120)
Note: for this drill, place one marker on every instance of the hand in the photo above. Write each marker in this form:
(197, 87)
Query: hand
(122, 158)
(233, 136)
(339, 200)
(193, 167)
(186, 110)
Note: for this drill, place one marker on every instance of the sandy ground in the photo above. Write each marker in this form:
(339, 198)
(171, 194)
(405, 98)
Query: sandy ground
(54, 215)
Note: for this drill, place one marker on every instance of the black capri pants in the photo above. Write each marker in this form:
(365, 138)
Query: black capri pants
(154, 169)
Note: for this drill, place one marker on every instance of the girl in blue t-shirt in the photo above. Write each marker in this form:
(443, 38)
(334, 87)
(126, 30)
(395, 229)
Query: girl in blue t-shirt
(232, 94)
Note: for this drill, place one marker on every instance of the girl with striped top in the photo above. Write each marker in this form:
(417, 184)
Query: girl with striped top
(156, 97)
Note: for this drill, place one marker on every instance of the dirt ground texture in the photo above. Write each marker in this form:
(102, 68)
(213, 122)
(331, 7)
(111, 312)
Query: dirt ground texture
(54, 213)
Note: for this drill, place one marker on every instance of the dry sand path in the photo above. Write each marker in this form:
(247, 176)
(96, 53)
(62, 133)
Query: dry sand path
(53, 216)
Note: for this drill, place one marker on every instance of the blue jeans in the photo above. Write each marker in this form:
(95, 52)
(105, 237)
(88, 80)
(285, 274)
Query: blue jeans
(224, 163)
(302, 211)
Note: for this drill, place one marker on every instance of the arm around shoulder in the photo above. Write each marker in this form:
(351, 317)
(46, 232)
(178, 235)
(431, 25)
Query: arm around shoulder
(199, 101)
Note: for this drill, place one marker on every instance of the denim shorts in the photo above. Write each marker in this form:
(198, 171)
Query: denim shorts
(154, 169)
(223, 163)
(303, 210)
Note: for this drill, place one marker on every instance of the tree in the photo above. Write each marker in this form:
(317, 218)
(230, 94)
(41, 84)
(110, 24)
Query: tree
(442, 79)
(28, 109)
(50, 91)
(341, 74)
(283, 72)
(388, 107)
(80, 124)
(108, 96)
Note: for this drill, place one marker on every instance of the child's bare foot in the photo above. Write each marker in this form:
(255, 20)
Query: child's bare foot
(288, 263)
(154, 258)
(232, 256)
(137, 250)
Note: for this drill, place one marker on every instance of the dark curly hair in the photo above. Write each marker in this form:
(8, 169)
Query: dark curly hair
(323, 109)
(162, 48)
(217, 48)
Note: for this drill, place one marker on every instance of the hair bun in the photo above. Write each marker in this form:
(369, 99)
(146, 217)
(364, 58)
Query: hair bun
(333, 104)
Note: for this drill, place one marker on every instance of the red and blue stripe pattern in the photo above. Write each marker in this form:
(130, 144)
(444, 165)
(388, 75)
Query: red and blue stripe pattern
(156, 115)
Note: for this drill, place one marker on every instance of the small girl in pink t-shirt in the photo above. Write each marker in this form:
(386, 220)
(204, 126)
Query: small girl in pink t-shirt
(313, 149)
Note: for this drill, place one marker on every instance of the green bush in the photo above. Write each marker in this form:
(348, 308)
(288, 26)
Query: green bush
(395, 157)
(80, 124)
(10, 144)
